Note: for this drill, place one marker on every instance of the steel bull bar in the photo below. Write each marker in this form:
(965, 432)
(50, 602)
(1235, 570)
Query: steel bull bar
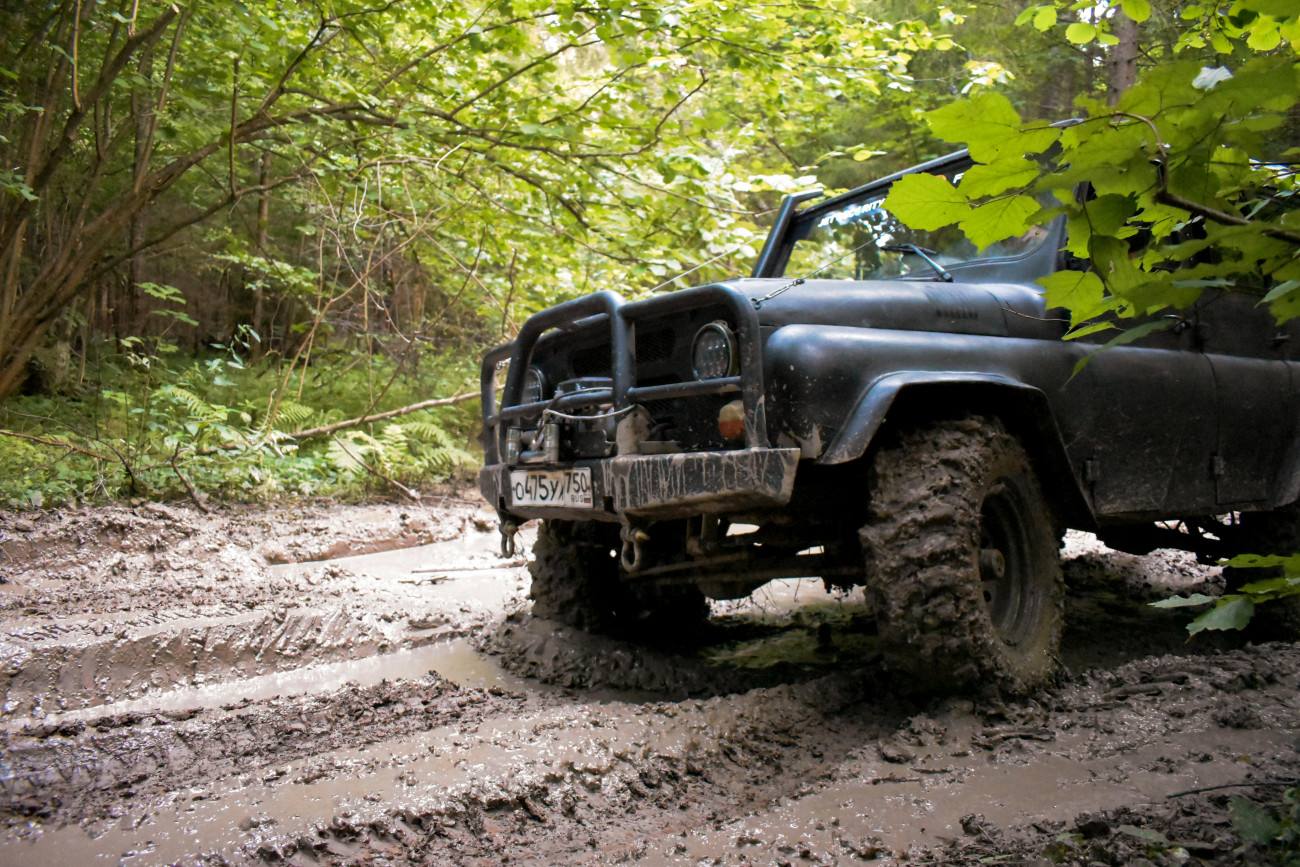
(655, 486)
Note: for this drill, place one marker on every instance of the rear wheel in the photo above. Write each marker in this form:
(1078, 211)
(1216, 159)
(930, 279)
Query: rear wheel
(962, 559)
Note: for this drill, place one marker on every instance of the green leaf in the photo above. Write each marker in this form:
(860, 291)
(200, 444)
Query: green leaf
(1257, 561)
(1138, 10)
(1275, 8)
(998, 177)
(1137, 332)
(1185, 601)
(982, 122)
(1080, 32)
(1283, 300)
(1227, 614)
(999, 219)
(926, 202)
(1078, 290)
(1045, 18)
(1253, 822)
(1264, 36)
(1271, 588)
(1084, 331)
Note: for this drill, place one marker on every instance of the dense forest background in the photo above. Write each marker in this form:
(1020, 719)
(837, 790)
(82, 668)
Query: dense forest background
(256, 249)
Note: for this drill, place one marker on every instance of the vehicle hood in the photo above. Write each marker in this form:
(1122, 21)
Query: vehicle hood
(1001, 309)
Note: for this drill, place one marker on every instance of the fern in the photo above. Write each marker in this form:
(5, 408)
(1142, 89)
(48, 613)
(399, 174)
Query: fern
(427, 431)
(293, 416)
(196, 406)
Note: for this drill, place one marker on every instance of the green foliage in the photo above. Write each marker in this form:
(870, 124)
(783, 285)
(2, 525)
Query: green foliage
(500, 157)
(150, 429)
(1235, 610)
(1275, 832)
(1184, 161)
(1190, 178)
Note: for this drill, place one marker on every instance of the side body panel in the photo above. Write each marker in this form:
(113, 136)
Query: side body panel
(832, 388)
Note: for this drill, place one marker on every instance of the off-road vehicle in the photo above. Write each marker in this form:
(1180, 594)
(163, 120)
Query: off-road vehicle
(886, 408)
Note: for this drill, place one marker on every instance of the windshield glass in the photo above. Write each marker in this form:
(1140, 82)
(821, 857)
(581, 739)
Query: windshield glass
(860, 240)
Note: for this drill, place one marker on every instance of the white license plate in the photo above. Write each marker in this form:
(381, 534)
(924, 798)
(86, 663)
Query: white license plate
(570, 489)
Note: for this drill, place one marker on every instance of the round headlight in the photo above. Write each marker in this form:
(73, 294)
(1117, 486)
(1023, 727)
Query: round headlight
(534, 385)
(713, 354)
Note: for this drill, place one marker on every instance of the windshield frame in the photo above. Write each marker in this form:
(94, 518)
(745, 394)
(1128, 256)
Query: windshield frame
(793, 225)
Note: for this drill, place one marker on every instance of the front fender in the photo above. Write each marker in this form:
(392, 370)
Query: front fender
(873, 405)
(1023, 408)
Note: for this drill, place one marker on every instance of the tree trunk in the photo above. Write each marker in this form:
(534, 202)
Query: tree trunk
(1121, 63)
(141, 114)
(263, 223)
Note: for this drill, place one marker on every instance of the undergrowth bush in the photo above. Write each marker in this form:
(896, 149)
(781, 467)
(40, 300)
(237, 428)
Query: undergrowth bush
(153, 425)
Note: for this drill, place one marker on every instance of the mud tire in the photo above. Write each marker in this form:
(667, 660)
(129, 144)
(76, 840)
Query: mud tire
(576, 582)
(940, 494)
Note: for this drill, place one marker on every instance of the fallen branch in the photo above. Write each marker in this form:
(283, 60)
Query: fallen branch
(344, 425)
(493, 568)
(380, 416)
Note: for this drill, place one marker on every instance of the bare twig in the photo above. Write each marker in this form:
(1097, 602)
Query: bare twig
(189, 486)
(1167, 197)
(63, 444)
(1271, 781)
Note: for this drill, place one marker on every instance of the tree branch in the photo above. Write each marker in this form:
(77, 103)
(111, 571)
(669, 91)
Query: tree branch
(380, 416)
(68, 138)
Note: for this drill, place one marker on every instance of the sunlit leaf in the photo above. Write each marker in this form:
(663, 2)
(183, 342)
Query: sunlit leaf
(926, 201)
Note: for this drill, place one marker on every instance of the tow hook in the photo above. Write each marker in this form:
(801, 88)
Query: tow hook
(509, 529)
(633, 539)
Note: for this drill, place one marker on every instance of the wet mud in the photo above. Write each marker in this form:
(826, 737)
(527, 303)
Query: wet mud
(333, 684)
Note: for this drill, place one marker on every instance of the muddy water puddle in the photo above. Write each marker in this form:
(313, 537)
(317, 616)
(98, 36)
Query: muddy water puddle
(424, 773)
(454, 660)
(885, 807)
(370, 605)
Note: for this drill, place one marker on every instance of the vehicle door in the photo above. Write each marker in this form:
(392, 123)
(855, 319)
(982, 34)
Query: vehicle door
(1144, 424)
(1256, 380)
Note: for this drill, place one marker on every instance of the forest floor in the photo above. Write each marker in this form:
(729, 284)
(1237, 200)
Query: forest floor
(345, 684)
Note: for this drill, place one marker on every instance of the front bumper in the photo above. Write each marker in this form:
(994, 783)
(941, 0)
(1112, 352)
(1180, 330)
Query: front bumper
(664, 486)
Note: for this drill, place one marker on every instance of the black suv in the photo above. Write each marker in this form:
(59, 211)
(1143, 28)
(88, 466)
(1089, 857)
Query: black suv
(886, 408)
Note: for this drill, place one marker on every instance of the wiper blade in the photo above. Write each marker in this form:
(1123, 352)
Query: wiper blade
(923, 253)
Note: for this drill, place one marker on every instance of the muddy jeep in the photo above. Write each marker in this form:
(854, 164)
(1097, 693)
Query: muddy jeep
(882, 408)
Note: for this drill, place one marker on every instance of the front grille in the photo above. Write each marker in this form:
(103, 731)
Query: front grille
(655, 346)
(592, 361)
(652, 348)
(575, 341)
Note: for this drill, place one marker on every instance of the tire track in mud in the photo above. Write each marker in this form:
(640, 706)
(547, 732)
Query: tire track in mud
(248, 746)
(61, 674)
(463, 769)
(182, 601)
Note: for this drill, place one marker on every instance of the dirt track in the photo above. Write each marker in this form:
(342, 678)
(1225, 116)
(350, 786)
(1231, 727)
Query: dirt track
(363, 684)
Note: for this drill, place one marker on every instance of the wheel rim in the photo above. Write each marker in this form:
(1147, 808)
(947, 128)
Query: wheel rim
(1004, 563)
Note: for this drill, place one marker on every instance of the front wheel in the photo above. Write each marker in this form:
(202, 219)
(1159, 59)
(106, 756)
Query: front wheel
(962, 559)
